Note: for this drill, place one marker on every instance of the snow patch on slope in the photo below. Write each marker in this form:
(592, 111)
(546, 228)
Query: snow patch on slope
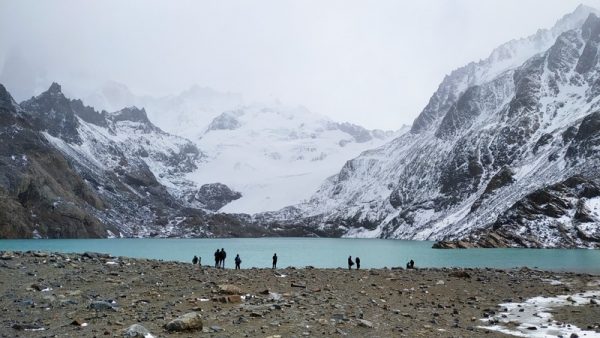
(275, 156)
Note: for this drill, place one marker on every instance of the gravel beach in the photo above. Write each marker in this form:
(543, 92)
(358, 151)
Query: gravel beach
(86, 295)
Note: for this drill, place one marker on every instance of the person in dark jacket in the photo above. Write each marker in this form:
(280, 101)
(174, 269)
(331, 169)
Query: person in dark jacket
(195, 261)
(217, 258)
(238, 261)
(274, 261)
(223, 256)
(350, 263)
(357, 263)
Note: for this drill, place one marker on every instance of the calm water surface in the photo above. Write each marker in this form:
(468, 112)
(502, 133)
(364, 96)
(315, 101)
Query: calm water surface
(321, 252)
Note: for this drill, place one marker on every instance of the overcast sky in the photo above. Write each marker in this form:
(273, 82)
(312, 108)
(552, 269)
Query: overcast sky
(375, 63)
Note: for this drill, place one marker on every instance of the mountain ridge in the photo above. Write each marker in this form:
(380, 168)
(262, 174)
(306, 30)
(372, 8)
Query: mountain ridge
(478, 147)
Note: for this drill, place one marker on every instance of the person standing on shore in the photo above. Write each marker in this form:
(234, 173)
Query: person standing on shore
(195, 261)
(199, 262)
(274, 261)
(217, 258)
(350, 263)
(238, 261)
(357, 263)
(223, 256)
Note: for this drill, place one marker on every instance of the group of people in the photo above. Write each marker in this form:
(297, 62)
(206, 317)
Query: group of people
(220, 256)
(351, 263)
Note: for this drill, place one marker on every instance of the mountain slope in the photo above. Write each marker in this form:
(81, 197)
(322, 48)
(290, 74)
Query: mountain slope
(40, 193)
(276, 155)
(69, 171)
(494, 132)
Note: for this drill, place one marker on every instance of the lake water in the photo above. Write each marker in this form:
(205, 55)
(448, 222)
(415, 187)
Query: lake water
(321, 252)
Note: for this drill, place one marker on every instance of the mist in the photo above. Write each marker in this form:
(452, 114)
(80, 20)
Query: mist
(371, 63)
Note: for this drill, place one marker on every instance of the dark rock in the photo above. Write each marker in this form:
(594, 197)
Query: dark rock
(27, 327)
(298, 285)
(214, 196)
(228, 299)
(459, 274)
(225, 121)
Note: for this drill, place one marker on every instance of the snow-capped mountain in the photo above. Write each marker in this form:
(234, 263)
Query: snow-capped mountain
(276, 155)
(493, 133)
(186, 114)
(71, 171)
(272, 154)
(127, 175)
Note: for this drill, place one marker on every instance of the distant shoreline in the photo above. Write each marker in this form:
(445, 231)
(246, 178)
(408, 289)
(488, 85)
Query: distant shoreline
(108, 256)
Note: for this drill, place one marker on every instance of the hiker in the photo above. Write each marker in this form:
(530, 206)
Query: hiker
(274, 261)
(199, 261)
(195, 260)
(357, 263)
(412, 264)
(238, 261)
(217, 258)
(223, 256)
(350, 263)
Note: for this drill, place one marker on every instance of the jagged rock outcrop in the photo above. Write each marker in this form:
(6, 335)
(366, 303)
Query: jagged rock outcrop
(214, 196)
(40, 193)
(563, 215)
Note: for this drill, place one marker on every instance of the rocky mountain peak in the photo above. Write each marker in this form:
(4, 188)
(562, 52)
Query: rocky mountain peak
(590, 27)
(55, 88)
(132, 114)
(6, 100)
(507, 56)
(52, 112)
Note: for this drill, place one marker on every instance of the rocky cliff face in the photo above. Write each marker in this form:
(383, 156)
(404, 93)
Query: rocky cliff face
(40, 193)
(495, 132)
(68, 171)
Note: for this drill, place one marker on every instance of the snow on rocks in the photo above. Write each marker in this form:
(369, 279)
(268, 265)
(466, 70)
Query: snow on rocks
(533, 318)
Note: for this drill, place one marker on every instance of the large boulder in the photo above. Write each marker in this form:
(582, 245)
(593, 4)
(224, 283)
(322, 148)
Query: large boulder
(188, 322)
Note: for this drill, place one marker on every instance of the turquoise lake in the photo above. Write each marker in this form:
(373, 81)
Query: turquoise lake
(321, 252)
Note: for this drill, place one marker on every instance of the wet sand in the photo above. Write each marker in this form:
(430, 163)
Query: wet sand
(50, 294)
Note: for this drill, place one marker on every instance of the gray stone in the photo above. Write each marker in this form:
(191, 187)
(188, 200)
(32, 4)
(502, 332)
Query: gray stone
(100, 305)
(188, 322)
(364, 323)
(137, 330)
(229, 289)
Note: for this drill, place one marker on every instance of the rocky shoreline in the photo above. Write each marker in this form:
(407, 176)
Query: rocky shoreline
(85, 295)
